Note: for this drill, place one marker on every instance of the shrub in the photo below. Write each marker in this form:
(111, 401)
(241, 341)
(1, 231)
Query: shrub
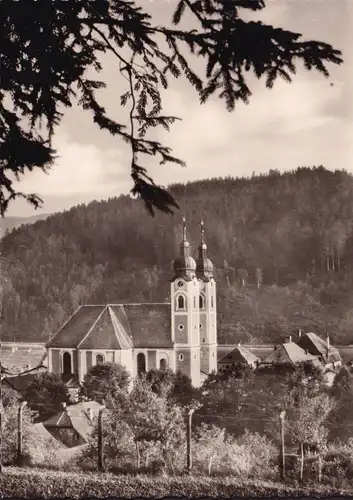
(252, 455)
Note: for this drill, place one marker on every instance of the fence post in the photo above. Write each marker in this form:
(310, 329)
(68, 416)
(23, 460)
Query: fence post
(188, 440)
(100, 440)
(282, 454)
(20, 432)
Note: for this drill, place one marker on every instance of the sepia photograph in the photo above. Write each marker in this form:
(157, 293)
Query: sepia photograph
(176, 249)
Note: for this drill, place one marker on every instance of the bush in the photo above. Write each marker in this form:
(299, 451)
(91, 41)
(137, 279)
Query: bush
(252, 455)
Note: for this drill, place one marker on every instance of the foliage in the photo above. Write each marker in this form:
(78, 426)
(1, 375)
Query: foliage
(45, 394)
(100, 253)
(104, 382)
(143, 427)
(209, 446)
(9, 397)
(52, 63)
(306, 419)
(29, 483)
(341, 418)
(252, 455)
(36, 448)
(176, 386)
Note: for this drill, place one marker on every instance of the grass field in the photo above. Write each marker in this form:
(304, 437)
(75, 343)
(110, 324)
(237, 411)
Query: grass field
(37, 483)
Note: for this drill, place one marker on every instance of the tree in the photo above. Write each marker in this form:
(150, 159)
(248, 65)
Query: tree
(209, 445)
(9, 396)
(104, 383)
(145, 426)
(45, 394)
(46, 63)
(306, 421)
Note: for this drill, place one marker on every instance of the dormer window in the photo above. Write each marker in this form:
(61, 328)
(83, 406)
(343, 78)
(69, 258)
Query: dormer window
(181, 302)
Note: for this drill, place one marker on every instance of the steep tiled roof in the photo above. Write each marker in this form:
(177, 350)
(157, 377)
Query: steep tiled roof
(290, 352)
(20, 382)
(77, 327)
(317, 346)
(238, 355)
(76, 416)
(19, 356)
(117, 326)
(107, 333)
(150, 324)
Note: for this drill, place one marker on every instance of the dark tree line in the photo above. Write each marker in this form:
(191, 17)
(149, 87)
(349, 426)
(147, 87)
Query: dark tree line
(281, 244)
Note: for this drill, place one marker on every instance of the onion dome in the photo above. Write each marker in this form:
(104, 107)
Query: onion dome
(184, 265)
(204, 268)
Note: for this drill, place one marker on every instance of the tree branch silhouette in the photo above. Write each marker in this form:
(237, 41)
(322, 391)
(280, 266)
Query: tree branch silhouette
(47, 49)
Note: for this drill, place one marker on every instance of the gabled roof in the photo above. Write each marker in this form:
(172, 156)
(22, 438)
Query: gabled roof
(290, 352)
(77, 417)
(116, 326)
(20, 382)
(239, 354)
(317, 346)
(107, 333)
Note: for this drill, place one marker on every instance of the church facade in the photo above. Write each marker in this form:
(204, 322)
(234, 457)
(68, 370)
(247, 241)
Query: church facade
(180, 335)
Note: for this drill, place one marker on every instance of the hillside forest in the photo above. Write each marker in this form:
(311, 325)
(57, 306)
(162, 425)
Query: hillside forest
(281, 244)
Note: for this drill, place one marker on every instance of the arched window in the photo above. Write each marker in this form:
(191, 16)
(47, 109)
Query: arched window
(163, 364)
(67, 364)
(201, 302)
(194, 302)
(141, 363)
(211, 300)
(99, 359)
(181, 302)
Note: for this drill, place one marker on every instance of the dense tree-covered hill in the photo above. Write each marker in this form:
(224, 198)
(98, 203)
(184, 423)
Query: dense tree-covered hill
(282, 245)
(8, 223)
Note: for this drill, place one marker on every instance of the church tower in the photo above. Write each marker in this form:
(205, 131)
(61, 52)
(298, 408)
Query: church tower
(207, 308)
(185, 320)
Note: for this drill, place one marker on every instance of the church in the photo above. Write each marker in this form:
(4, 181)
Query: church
(179, 335)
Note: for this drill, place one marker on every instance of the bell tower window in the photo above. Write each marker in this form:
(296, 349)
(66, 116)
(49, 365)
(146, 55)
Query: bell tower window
(181, 302)
(201, 302)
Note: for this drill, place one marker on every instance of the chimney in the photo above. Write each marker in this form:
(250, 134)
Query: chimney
(299, 333)
(63, 405)
(328, 342)
(306, 351)
(289, 339)
(90, 414)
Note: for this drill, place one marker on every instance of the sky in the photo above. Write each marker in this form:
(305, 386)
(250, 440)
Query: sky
(306, 123)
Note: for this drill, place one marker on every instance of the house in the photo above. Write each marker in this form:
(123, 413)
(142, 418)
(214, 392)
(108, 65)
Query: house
(180, 335)
(73, 425)
(329, 355)
(18, 357)
(290, 353)
(239, 355)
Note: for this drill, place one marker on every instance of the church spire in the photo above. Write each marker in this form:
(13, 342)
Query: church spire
(204, 269)
(184, 265)
(185, 246)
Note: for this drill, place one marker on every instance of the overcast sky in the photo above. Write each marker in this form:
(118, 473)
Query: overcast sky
(306, 123)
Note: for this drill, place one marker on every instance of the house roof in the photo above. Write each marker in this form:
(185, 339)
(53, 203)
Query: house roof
(238, 355)
(75, 416)
(116, 326)
(290, 352)
(317, 346)
(20, 382)
(15, 357)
